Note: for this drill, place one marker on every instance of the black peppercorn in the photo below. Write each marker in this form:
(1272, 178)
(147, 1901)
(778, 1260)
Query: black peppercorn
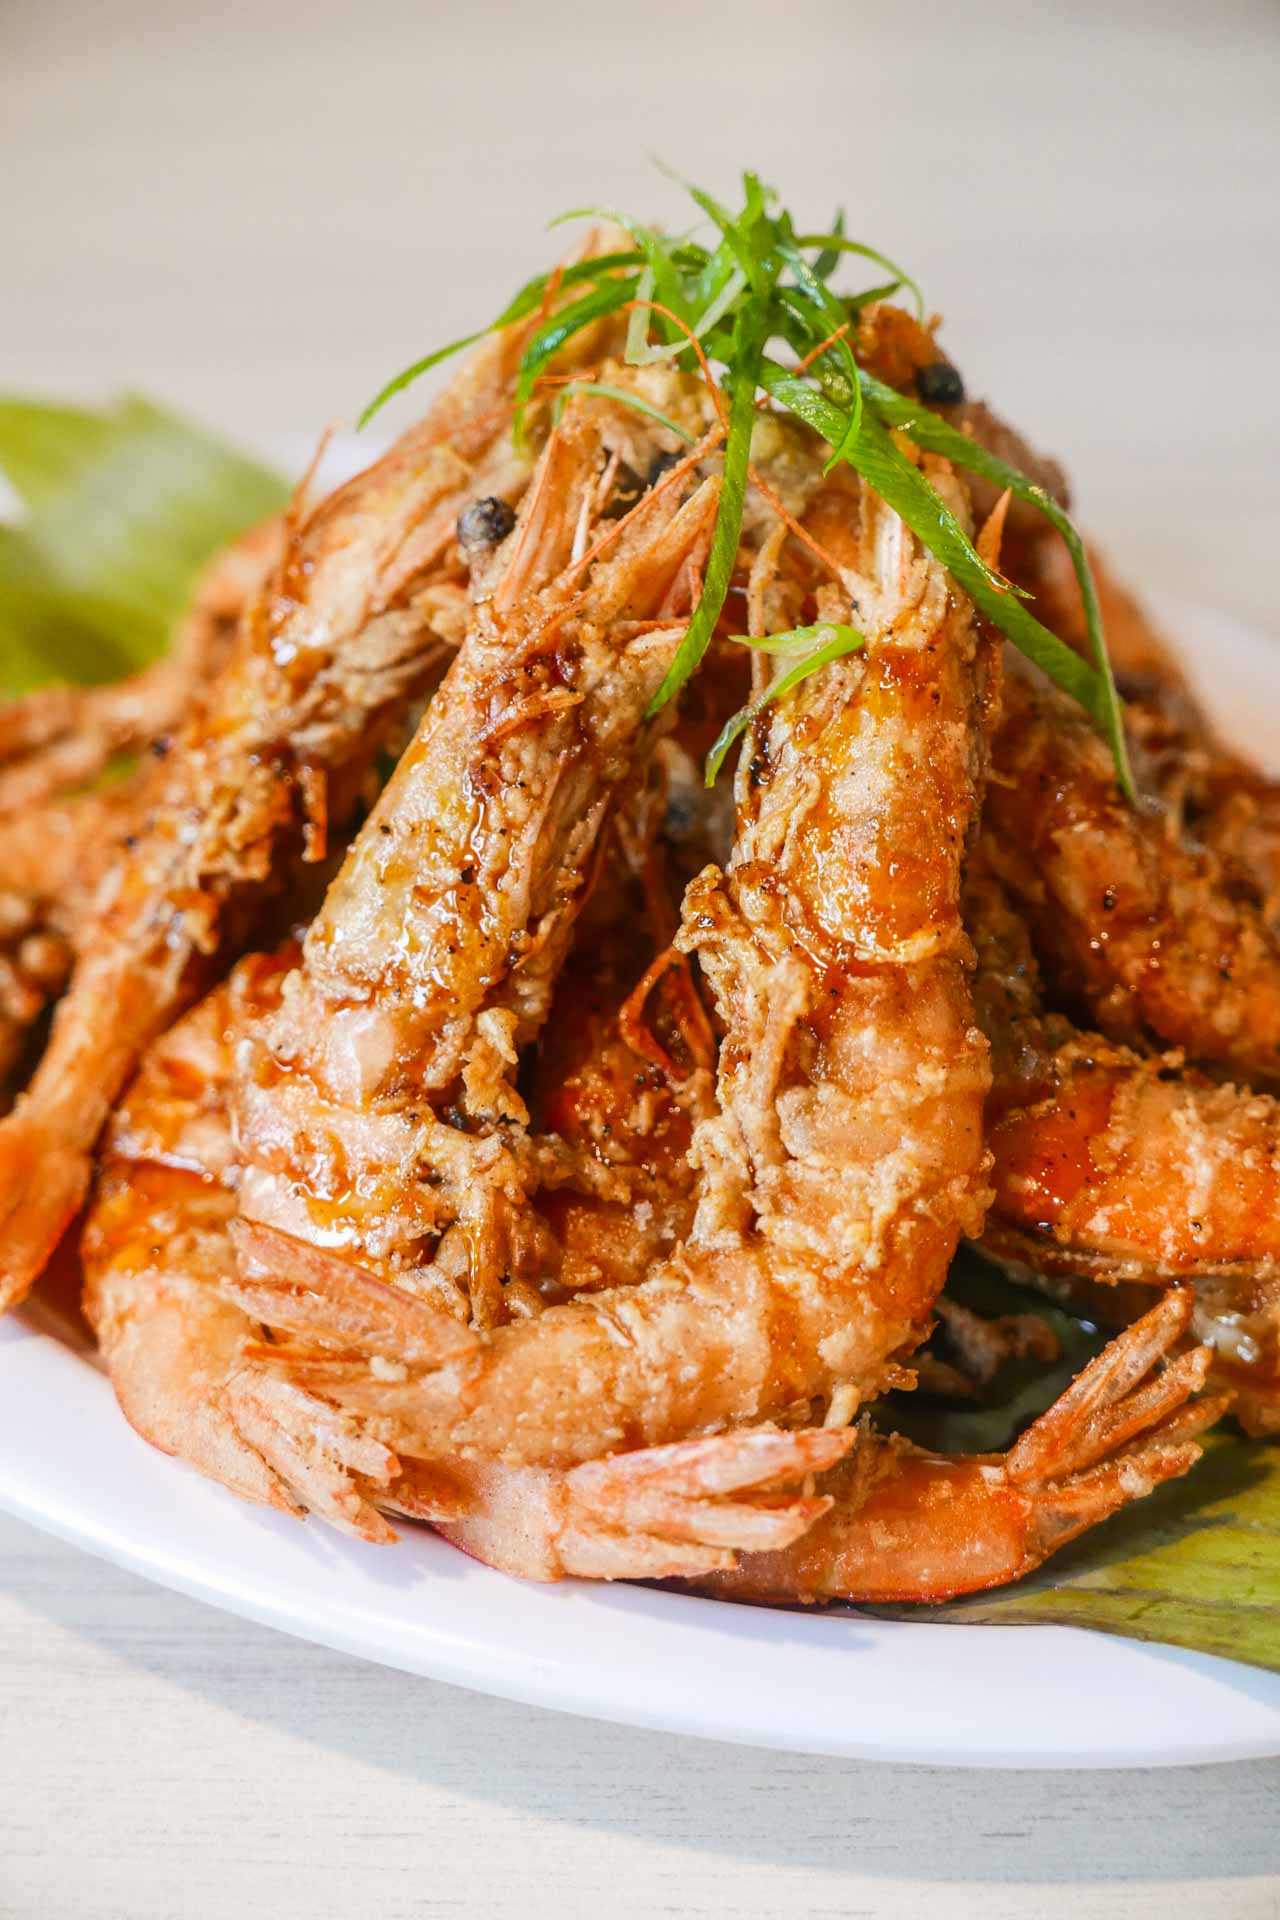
(484, 523)
(940, 384)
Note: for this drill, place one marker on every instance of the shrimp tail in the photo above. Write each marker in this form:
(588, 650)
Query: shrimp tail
(311, 1292)
(906, 1525)
(658, 1513)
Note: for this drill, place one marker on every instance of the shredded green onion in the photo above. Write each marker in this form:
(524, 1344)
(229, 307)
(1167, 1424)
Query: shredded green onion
(837, 243)
(814, 652)
(795, 642)
(762, 282)
(626, 399)
(829, 259)
(749, 331)
(526, 302)
(556, 332)
(937, 436)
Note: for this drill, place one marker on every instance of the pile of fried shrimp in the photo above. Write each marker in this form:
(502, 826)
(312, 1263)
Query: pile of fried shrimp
(535, 1142)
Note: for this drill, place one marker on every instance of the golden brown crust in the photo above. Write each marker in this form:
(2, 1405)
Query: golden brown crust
(1132, 924)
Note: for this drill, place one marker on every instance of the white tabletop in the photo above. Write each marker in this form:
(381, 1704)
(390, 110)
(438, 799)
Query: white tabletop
(257, 212)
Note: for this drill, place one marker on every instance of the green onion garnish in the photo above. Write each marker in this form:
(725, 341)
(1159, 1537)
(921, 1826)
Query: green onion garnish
(743, 379)
(815, 647)
(762, 285)
(636, 402)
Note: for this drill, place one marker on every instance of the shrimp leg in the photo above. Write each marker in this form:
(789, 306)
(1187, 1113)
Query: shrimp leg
(659, 1513)
(621, 1071)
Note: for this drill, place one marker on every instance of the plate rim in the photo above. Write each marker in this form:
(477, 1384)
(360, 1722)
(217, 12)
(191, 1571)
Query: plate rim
(444, 1654)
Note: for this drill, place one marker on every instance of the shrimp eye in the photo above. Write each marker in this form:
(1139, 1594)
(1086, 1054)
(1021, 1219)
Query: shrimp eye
(940, 384)
(484, 523)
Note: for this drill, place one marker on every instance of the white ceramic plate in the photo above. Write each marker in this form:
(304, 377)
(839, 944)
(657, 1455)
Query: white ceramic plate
(811, 1683)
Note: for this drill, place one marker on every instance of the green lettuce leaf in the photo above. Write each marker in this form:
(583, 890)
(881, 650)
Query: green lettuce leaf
(122, 508)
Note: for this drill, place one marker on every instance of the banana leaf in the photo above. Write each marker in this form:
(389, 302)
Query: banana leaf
(122, 507)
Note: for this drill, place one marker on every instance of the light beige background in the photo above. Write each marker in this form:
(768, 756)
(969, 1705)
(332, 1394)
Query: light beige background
(257, 212)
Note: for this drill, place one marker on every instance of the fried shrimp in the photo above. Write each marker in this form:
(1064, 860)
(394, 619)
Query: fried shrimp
(585, 1179)
(845, 1158)
(157, 1260)
(1210, 793)
(57, 846)
(325, 662)
(1127, 1169)
(378, 1111)
(155, 1254)
(1133, 924)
